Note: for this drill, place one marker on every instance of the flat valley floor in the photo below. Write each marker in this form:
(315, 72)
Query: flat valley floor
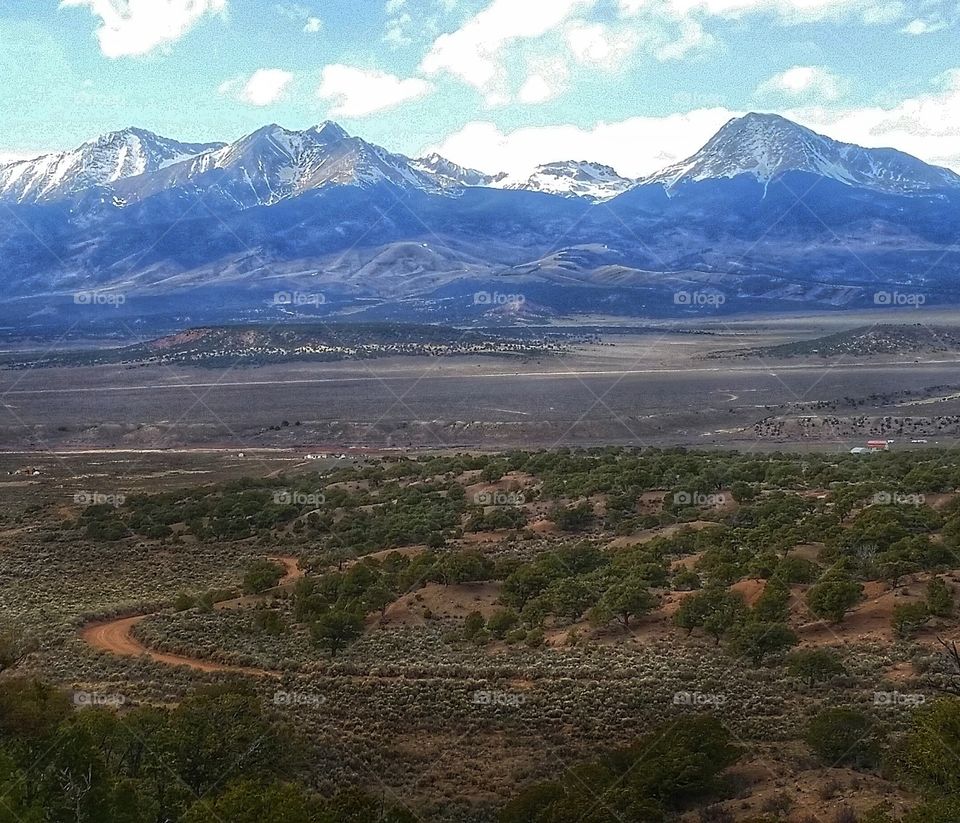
(664, 385)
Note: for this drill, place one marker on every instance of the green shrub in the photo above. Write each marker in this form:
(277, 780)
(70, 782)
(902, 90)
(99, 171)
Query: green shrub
(844, 737)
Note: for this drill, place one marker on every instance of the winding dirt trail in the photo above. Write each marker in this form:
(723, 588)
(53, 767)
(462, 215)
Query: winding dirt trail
(116, 636)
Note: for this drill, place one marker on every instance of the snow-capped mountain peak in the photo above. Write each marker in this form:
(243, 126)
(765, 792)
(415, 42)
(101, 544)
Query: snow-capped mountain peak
(571, 178)
(450, 174)
(99, 162)
(766, 146)
(328, 132)
(274, 163)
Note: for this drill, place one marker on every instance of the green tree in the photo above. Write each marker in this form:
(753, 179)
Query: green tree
(923, 757)
(757, 641)
(793, 570)
(715, 609)
(663, 770)
(814, 665)
(29, 709)
(15, 646)
(261, 576)
(466, 567)
(378, 599)
(473, 624)
(501, 622)
(844, 737)
(268, 621)
(336, 630)
(686, 580)
(773, 605)
(523, 584)
(909, 618)
(893, 567)
(743, 492)
(258, 802)
(340, 555)
(20, 804)
(533, 803)
(685, 763)
(939, 598)
(184, 601)
(570, 598)
(831, 599)
(223, 730)
(577, 518)
(628, 599)
(939, 810)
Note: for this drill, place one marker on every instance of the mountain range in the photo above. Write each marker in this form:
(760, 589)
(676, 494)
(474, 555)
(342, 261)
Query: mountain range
(767, 215)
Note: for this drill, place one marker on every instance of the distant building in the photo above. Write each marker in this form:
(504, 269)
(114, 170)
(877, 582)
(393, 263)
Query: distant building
(860, 450)
(878, 445)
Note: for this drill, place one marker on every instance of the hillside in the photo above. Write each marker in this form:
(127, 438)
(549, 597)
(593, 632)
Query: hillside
(255, 345)
(865, 341)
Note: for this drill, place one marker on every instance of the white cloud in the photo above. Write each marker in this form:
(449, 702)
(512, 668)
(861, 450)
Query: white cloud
(263, 88)
(596, 44)
(692, 38)
(926, 126)
(919, 27)
(397, 30)
(291, 10)
(662, 37)
(358, 92)
(870, 11)
(635, 147)
(474, 52)
(547, 80)
(537, 89)
(883, 14)
(813, 82)
(300, 14)
(131, 28)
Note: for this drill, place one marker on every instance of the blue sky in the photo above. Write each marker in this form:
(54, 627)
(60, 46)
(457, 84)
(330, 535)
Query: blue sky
(498, 84)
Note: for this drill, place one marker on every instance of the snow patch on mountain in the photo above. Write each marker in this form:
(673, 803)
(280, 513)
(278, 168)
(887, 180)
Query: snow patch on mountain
(451, 175)
(591, 181)
(274, 164)
(100, 162)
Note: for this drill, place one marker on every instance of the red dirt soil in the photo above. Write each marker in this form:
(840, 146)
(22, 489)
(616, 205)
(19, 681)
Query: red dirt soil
(116, 636)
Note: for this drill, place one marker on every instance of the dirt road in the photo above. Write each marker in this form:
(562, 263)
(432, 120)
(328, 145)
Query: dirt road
(116, 636)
